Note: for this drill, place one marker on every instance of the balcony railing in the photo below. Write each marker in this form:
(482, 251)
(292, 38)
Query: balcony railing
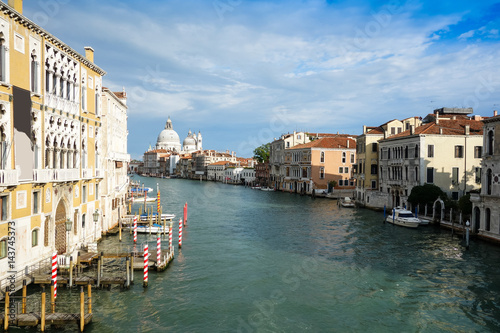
(87, 173)
(64, 175)
(43, 175)
(99, 173)
(9, 177)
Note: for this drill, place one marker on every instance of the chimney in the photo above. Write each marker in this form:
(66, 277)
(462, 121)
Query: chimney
(412, 129)
(364, 129)
(467, 129)
(89, 53)
(495, 113)
(440, 131)
(437, 118)
(17, 5)
(347, 143)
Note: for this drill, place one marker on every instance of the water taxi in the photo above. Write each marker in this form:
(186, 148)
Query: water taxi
(403, 217)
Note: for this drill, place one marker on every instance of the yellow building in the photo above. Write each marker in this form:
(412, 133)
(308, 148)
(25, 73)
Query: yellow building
(50, 133)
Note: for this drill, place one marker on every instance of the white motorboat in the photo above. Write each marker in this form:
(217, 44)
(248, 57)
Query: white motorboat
(154, 229)
(268, 189)
(141, 199)
(347, 202)
(144, 217)
(403, 217)
(256, 187)
(424, 221)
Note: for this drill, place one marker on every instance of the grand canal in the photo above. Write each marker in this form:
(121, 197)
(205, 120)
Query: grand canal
(275, 262)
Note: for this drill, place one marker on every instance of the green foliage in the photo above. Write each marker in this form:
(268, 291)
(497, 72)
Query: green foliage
(261, 154)
(332, 183)
(465, 205)
(426, 194)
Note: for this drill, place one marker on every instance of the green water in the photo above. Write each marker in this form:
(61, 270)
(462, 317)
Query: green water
(255, 261)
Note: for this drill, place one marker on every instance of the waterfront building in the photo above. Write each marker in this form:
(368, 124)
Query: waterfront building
(155, 162)
(262, 174)
(366, 170)
(313, 165)
(215, 171)
(277, 155)
(134, 166)
(51, 141)
(486, 203)
(113, 189)
(445, 150)
(202, 159)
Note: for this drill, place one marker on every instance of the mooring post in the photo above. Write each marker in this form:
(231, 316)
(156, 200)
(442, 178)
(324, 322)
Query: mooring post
(102, 265)
(180, 233)
(127, 263)
(52, 298)
(42, 313)
(158, 250)
(78, 264)
(24, 297)
(146, 260)
(467, 235)
(385, 213)
(6, 311)
(71, 271)
(120, 229)
(89, 292)
(82, 309)
(132, 269)
(98, 272)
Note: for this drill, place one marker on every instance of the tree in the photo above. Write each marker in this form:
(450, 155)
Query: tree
(261, 154)
(465, 205)
(426, 194)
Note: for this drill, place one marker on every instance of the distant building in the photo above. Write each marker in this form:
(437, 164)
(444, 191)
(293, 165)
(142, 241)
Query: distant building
(168, 139)
(262, 174)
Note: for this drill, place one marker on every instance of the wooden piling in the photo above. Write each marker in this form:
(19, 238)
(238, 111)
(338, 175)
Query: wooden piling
(42, 314)
(71, 271)
(78, 264)
(89, 292)
(24, 298)
(128, 272)
(120, 231)
(132, 269)
(99, 272)
(82, 310)
(52, 299)
(6, 313)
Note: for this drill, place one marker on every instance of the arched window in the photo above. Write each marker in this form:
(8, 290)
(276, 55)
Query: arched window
(34, 237)
(84, 95)
(322, 158)
(3, 58)
(416, 150)
(3, 148)
(489, 180)
(490, 143)
(34, 72)
(416, 173)
(487, 220)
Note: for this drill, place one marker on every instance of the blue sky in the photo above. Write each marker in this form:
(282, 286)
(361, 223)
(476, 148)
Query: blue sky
(245, 72)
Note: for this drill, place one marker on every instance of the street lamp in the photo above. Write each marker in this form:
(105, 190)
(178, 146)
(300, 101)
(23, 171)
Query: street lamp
(95, 215)
(69, 224)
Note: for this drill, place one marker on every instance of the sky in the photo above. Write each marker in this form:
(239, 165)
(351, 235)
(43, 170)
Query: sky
(246, 72)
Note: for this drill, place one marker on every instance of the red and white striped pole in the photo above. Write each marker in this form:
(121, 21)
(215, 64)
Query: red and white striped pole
(158, 250)
(170, 237)
(180, 233)
(146, 255)
(135, 228)
(54, 273)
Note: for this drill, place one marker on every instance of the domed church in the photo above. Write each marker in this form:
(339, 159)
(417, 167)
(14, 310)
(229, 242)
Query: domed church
(169, 140)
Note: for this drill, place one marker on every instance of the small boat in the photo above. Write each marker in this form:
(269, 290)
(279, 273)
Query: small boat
(140, 189)
(141, 199)
(403, 217)
(347, 202)
(424, 221)
(144, 217)
(267, 189)
(155, 228)
(256, 187)
(331, 195)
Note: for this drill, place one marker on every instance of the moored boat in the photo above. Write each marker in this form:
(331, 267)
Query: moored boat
(155, 228)
(347, 202)
(144, 217)
(269, 189)
(403, 217)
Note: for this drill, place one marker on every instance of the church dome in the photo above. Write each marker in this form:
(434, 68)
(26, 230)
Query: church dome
(189, 140)
(168, 138)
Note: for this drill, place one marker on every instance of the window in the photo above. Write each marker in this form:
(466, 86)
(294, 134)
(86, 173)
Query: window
(416, 151)
(341, 182)
(478, 151)
(97, 99)
(36, 202)
(341, 170)
(298, 137)
(84, 96)
(430, 151)
(34, 74)
(34, 237)
(374, 147)
(83, 220)
(3, 207)
(374, 184)
(288, 144)
(400, 130)
(454, 176)
(393, 130)
(84, 193)
(322, 158)
(346, 169)
(406, 152)
(321, 173)
(478, 175)
(352, 158)
(459, 151)
(416, 173)
(487, 221)
(388, 154)
(3, 248)
(430, 175)
(3, 59)
(343, 157)
(454, 195)
(490, 143)
(489, 179)
(97, 191)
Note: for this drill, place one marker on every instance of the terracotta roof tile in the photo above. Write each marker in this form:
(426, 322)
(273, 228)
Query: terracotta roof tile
(335, 142)
(446, 127)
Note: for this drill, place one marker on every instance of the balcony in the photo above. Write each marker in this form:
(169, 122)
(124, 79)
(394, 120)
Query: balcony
(65, 175)
(43, 175)
(9, 177)
(475, 197)
(99, 173)
(87, 173)
(396, 161)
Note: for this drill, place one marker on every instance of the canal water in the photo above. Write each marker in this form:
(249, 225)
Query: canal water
(255, 261)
